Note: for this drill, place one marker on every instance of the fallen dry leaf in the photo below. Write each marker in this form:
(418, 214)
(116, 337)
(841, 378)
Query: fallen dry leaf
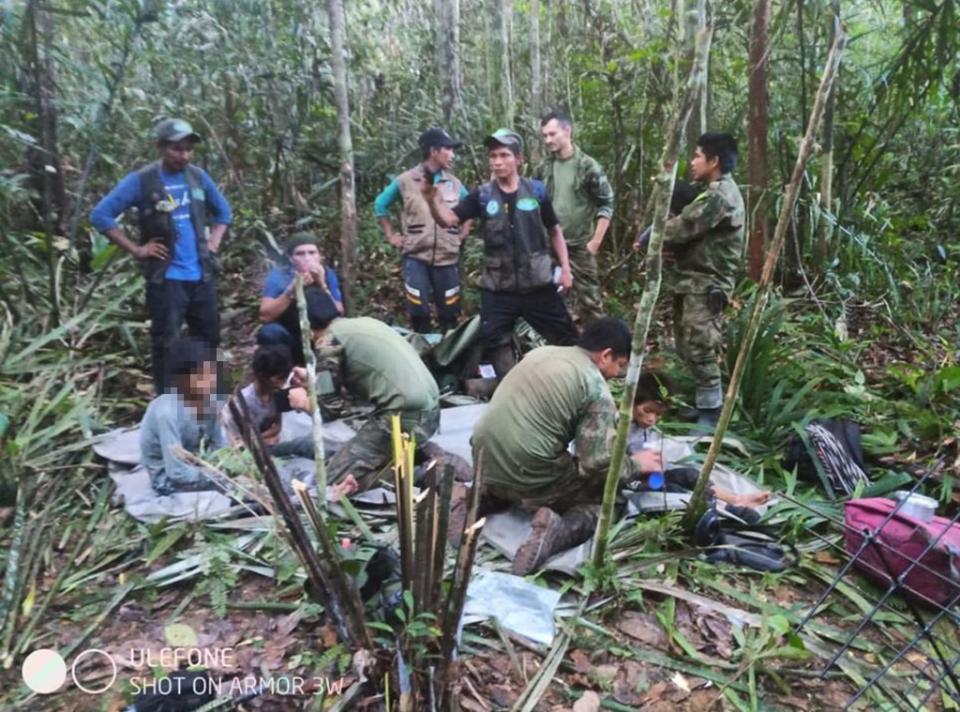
(643, 627)
(581, 663)
(590, 702)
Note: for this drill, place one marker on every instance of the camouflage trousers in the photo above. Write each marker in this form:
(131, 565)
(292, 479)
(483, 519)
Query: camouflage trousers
(698, 332)
(586, 284)
(368, 455)
(570, 492)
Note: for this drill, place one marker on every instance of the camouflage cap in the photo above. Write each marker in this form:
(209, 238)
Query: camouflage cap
(504, 137)
(173, 130)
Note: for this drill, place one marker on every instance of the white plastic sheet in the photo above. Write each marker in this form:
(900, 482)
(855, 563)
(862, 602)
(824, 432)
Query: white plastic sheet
(518, 605)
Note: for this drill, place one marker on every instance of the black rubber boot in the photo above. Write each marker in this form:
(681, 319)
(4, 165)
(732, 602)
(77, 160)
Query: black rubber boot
(421, 324)
(706, 421)
(504, 359)
(552, 534)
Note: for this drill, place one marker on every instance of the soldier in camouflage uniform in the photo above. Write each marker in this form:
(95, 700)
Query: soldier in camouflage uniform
(703, 247)
(583, 200)
(556, 395)
(373, 363)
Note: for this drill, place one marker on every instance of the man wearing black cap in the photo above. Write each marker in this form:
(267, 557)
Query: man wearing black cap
(278, 306)
(176, 203)
(518, 227)
(431, 253)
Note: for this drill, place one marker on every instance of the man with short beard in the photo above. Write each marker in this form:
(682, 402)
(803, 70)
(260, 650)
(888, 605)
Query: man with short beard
(583, 200)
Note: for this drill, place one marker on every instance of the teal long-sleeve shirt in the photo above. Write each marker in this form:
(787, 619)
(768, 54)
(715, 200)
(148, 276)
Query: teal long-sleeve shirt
(391, 194)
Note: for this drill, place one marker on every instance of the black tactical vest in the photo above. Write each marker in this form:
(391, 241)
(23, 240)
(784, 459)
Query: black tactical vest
(158, 225)
(516, 252)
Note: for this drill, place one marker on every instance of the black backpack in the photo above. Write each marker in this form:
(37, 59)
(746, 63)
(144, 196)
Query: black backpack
(830, 452)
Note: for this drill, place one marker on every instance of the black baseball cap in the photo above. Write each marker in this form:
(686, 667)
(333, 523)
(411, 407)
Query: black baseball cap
(437, 137)
(504, 137)
(173, 130)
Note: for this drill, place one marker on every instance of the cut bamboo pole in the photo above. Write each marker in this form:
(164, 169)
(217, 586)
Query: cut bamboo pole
(310, 359)
(455, 601)
(651, 288)
(460, 578)
(444, 487)
(765, 285)
(345, 589)
(298, 535)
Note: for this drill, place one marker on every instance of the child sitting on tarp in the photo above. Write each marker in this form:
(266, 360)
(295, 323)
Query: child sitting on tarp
(649, 405)
(186, 417)
(267, 398)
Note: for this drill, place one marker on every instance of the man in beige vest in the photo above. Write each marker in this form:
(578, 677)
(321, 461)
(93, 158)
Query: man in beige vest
(431, 253)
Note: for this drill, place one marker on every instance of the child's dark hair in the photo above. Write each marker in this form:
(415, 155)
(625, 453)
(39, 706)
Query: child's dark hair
(187, 355)
(273, 360)
(653, 387)
(722, 146)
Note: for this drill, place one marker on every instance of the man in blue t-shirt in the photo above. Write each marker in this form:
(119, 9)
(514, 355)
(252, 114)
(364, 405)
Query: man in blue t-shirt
(278, 306)
(175, 203)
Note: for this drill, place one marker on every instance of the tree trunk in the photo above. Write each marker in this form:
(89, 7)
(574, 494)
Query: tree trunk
(651, 289)
(824, 228)
(348, 202)
(764, 286)
(502, 23)
(45, 164)
(758, 121)
(536, 67)
(448, 43)
(546, 90)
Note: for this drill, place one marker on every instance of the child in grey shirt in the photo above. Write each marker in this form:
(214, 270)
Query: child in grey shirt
(186, 417)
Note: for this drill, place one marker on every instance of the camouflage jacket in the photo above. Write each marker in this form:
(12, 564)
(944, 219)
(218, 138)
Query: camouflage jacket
(593, 196)
(707, 240)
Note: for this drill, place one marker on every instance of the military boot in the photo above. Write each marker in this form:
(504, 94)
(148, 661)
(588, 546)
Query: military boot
(552, 534)
(706, 421)
(421, 324)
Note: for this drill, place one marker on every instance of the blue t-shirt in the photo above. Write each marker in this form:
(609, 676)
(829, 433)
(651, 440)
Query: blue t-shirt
(279, 277)
(185, 262)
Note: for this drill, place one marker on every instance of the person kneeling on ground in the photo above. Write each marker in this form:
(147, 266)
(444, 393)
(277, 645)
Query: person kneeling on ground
(186, 417)
(555, 395)
(373, 363)
(649, 405)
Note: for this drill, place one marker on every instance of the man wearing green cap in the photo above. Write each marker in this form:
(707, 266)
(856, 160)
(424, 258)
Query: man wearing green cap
(278, 306)
(431, 253)
(176, 204)
(519, 228)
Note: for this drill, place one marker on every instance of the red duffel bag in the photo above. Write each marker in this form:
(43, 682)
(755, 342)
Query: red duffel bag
(935, 580)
